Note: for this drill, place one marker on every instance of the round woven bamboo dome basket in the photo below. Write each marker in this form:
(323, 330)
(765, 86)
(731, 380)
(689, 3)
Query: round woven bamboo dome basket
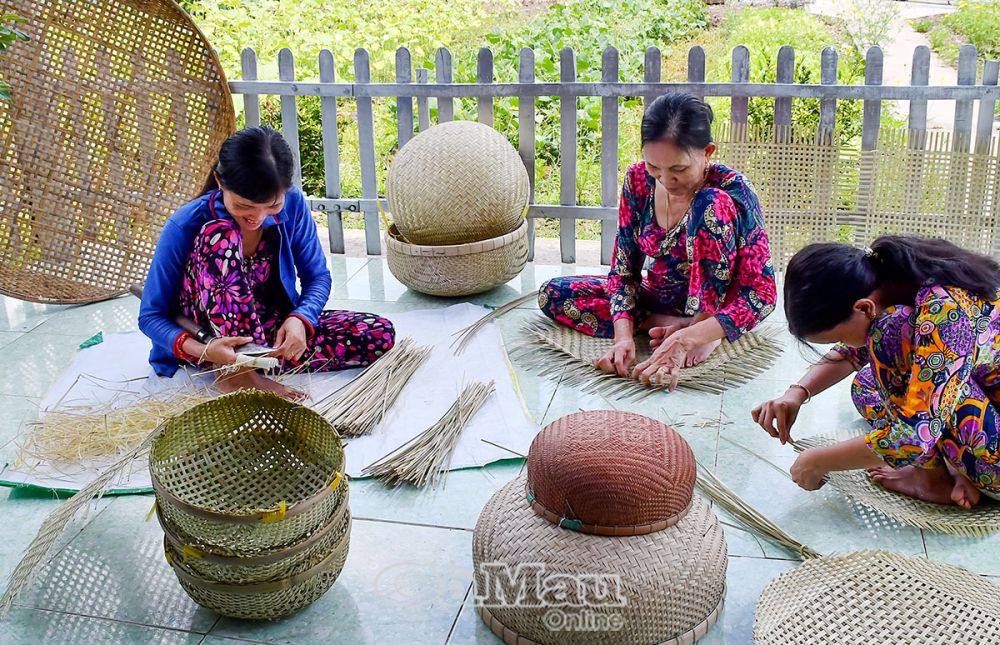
(247, 472)
(119, 109)
(455, 183)
(265, 566)
(461, 269)
(876, 596)
(662, 587)
(610, 473)
(265, 600)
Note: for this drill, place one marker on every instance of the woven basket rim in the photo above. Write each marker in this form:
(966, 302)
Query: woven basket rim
(170, 534)
(607, 530)
(260, 515)
(510, 637)
(260, 587)
(470, 248)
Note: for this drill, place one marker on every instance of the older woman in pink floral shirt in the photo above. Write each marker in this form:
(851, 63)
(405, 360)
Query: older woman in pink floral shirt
(698, 229)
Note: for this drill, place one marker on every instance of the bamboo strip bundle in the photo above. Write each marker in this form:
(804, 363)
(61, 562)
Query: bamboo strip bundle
(423, 459)
(729, 500)
(466, 334)
(557, 351)
(81, 434)
(365, 401)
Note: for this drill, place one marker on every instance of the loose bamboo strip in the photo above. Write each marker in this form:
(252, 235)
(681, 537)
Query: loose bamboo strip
(466, 334)
(424, 458)
(56, 523)
(365, 401)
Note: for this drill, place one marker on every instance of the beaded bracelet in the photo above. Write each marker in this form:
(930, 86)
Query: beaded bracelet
(809, 395)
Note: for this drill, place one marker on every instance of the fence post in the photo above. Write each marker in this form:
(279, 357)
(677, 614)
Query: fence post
(404, 104)
(289, 116)
(609, 153)
(828, 107)
(251, 102)
(423, 103)
(651, 70)
(366, 151)
(484, 74)
(331, 151)
(567, 156)
(871, 121)
(967, 68)
(984, 127)
(739, 111)
(696, 68)
(919, 77)
(443, 74)
(526, 133)
(783, 105)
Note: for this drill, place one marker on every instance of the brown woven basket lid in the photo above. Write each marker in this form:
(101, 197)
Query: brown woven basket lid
(610, 473)
(119, 110)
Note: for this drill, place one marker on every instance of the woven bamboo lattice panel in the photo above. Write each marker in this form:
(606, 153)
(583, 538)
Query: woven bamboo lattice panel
(556, 350)
(119, 109)
(912, 183)
(878, 597)
(858, 486)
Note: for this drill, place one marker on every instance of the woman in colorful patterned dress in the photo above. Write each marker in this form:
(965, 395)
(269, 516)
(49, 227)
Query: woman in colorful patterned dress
(920, 319)
(699, 227)
(229, 260)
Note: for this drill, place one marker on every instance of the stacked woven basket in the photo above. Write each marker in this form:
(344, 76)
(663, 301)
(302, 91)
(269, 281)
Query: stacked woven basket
(458, 193)
(253, 503)
(602, 541)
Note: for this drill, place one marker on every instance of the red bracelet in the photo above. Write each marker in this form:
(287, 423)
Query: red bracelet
(179, 347)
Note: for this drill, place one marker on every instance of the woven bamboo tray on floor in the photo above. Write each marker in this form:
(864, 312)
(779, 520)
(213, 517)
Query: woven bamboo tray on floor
(558, 351)
(119, 109)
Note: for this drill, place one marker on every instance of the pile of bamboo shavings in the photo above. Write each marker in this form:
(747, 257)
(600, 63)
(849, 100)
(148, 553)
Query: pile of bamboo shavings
(423, 459)
(364, 403)
(79, 435)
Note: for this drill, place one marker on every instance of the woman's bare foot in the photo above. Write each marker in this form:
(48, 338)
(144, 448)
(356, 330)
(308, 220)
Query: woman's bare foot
(933, 485)
(964, 492)
(698, 355)
(252, 379)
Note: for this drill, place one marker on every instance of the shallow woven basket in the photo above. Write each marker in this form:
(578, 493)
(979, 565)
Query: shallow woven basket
(264, 600)
(265, 566)
(610, 473)
(878, 597)
(461, 269)
(456, 183)
(119, 110)
(247, 472)
(664, 587)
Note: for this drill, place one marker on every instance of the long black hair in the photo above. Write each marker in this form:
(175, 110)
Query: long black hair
(255, 163)
(823, 281)
(682, 119)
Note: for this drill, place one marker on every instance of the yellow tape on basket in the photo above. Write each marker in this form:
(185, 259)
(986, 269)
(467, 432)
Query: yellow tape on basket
(191, 553)
(276, 516)
(152, 510)
(336, 481)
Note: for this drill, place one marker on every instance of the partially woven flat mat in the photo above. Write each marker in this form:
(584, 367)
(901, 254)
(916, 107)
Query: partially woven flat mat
(550, 348)
(876, 597)
(857, 485)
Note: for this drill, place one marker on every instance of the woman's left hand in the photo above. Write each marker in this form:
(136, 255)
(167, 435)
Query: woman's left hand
(290, 343)
(666, 361)
(806, 472)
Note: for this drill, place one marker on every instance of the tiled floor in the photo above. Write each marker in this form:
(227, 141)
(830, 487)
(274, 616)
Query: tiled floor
(408, 577)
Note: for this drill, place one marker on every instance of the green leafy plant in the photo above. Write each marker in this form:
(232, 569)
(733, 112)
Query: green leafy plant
(9, 36)
(979, 24)
(922, 26)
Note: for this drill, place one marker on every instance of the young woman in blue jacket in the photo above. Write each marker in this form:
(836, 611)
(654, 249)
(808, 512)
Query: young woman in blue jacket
(229, 261)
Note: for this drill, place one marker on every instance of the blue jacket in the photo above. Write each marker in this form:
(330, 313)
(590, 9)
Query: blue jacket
(300, 254)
